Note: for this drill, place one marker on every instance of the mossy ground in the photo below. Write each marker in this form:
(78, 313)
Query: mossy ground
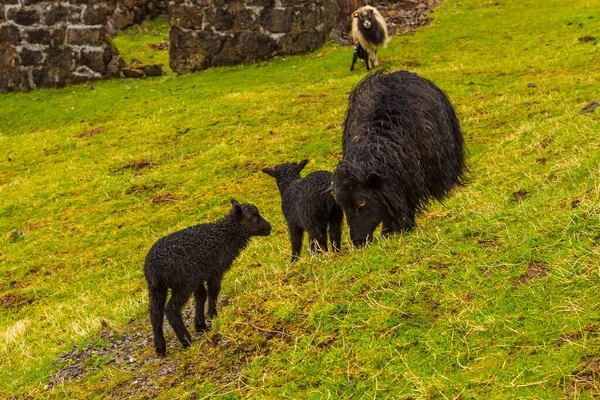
(493, 295)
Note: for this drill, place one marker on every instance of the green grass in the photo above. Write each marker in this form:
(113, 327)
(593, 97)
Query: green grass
(445, 311)
(139, 42)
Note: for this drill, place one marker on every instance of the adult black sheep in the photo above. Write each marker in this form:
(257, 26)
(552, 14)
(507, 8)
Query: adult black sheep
(402, 146)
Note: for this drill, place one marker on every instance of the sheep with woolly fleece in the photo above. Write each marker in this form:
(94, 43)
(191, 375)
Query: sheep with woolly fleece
(369, 30)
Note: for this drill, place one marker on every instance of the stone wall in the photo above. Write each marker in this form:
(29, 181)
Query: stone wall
(54, 43)
(212, 33)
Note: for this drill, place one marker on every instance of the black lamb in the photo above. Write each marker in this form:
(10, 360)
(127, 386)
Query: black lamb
(182, 261)
(402, 146)
(308, 206)
(360, 53)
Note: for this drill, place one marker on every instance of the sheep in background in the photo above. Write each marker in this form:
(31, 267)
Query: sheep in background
(182, 261)
(402, 146)
(308, 206)
(370, 31)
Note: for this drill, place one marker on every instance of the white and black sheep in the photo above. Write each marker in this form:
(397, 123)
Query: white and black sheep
(369, 30)
(182, 261)
(308, 206)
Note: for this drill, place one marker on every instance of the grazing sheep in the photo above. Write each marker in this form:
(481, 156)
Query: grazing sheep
(361, 53)
(308, 206)
(402, 146)
(369, 30)
(184, 260)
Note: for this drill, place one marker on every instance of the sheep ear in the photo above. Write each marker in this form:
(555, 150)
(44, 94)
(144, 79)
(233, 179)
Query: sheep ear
(302, 164)
(236, 208)
(355, 14)
(374, 180)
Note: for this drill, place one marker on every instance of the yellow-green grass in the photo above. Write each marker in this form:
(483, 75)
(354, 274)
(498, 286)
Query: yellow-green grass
(445, 311)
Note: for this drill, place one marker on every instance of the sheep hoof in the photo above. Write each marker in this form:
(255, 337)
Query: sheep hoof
(201, 327)
(161, 352)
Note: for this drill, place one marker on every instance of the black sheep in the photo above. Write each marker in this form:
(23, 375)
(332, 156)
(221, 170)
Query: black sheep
(308, 206)
(182, 261)
(402, 146)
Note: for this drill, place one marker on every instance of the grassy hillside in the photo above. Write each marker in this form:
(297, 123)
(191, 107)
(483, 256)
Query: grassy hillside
(493, 295)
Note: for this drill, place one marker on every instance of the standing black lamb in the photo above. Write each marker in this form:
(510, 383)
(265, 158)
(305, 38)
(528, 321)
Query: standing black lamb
(184, 260)
(308, 206)
(402, 146)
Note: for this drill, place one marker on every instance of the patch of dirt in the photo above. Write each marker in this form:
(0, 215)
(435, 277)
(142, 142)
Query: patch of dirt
(134, 165)
(14, 301)
(163, 198)
(487, 242)
(519, 195)
(132, 350)
(586, 377)
(89, 133)
(536, 269)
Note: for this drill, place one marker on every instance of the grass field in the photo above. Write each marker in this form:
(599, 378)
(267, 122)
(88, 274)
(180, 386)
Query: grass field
(493, 295)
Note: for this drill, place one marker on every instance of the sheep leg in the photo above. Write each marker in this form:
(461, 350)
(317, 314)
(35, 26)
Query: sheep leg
(335, 229)
(296, 234)
(214, 287)
(374, 61)
(158, 298)
(318, 239)
(354, 58)
(200, 297)
(367, 64)
(173, 311)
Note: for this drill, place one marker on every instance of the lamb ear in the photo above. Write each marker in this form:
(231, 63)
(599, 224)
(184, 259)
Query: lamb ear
(236, 208)
(302, 164)
(269, 171)
(355, 14)
(374, 180)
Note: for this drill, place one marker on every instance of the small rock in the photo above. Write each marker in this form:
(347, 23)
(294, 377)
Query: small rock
(531, 85)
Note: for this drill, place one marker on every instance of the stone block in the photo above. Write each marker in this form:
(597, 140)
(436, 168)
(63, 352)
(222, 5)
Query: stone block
(252, 46)
(85, 36)
(210, 42)
(185, 17)
(14, 80)
(38, 36)
(93, 59)
(60, 58)
(96, 15)
(55, 13)
(301, 42)
(30, 58)
(10, 34)
(219, 18)
(8, 58)
(58, 35)
(245, 20)
(152, 69)
(277, 20)
(129, 72)
(122, 19)
(23, 16)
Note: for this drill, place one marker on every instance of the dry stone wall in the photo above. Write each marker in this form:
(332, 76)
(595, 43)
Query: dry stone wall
(212, 33)
(54, 43)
